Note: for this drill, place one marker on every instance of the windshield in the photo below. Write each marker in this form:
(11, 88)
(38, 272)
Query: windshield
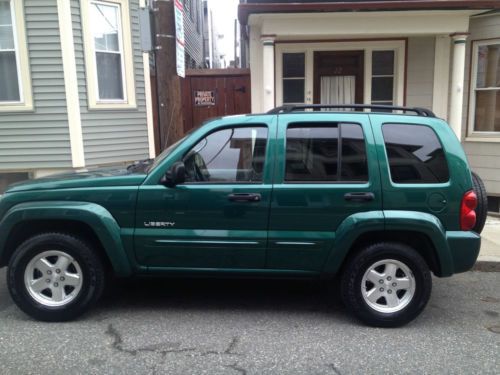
(165, 153)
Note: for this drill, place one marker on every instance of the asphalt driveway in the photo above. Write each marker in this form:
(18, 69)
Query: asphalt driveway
(255, 327)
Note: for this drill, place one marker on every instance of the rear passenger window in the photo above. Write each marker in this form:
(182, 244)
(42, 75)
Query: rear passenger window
(415, 154)
(325, 152)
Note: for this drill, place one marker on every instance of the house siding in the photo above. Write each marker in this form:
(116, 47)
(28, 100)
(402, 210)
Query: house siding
(484, 157)
(420, 72)
(111, 136)
(193, 36)
(39, 138)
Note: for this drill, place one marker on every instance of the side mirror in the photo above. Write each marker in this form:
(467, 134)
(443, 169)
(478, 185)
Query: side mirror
(175, 175)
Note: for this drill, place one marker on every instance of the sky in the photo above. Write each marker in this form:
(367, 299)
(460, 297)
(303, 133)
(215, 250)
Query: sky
(224, 14)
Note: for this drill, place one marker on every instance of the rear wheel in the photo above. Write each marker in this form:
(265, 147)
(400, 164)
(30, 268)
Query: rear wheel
(386, 284)
(55, 277)
(482, 203)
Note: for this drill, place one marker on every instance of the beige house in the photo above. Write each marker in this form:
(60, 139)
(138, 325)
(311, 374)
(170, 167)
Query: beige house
(442, 55)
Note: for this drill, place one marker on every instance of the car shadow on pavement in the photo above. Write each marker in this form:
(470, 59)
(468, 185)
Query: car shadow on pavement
(202, 294)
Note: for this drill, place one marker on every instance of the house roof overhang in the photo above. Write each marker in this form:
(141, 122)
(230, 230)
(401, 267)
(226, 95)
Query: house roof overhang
(245, 10)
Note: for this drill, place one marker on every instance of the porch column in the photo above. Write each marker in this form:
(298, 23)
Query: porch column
(268, 71)
(457, 83)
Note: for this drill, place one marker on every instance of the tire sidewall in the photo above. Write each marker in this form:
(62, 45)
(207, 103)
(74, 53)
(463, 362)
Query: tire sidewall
(373, 254)
(30, 249)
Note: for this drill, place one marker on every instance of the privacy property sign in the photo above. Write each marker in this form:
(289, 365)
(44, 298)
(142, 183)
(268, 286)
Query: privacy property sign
(204, 98)
(179, 38)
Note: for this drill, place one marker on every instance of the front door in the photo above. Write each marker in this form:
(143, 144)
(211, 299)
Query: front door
(338, 77)
(218, 218)
(329, 171)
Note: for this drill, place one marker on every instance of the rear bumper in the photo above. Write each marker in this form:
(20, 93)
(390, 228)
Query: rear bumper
(464, 249)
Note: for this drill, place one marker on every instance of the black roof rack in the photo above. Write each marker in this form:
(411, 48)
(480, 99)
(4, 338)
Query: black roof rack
(292, 107)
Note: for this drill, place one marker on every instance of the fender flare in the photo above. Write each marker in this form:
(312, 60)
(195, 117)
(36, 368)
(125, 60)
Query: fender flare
(95, 216)
(378, 221)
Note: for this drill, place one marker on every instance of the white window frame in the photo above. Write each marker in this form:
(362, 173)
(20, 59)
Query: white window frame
(125, 46)
(476, 134)
(397, 45)
(25, 102)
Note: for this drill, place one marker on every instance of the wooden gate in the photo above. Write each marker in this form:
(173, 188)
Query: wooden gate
(208, 93)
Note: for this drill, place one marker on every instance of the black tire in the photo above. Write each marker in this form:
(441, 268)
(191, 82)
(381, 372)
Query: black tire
(89, 262)
(357, 266)
(482, 202)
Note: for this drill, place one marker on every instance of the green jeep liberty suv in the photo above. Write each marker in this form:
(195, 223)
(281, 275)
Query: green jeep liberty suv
(380, 199)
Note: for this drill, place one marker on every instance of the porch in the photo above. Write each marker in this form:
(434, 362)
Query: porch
(409, 58)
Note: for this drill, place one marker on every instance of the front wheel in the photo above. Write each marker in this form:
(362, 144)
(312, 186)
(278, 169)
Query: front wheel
(386, 284)
(55, 277)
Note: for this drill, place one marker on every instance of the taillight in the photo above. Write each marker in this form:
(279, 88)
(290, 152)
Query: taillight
(467, 213)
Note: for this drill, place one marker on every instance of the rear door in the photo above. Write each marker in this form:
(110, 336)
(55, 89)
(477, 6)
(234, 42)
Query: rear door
(326, 170)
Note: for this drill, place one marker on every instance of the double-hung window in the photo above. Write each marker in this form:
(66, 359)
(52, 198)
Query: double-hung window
(15, 90)
(108, 52)
(485, 87)
(383, 77)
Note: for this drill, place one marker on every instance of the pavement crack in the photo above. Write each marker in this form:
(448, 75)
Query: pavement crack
(237, 368)
(228, 351)
(158, 349)
(232, 345)
(335, 369)
(118, 340)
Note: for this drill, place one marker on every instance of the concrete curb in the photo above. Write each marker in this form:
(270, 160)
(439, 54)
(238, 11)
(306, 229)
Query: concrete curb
(487, 265)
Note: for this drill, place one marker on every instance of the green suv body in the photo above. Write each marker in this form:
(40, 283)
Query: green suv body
(295, 194)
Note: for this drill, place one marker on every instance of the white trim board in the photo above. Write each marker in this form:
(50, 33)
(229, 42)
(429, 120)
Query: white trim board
(71, 83)
(482, 136)
(398, 46)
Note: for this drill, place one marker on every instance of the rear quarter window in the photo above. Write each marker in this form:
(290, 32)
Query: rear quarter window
(415, 154)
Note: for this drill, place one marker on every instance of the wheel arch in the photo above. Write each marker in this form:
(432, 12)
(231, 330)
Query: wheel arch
(88, 221)
(421, 231)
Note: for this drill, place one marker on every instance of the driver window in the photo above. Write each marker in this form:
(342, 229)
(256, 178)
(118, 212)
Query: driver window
(228, 155)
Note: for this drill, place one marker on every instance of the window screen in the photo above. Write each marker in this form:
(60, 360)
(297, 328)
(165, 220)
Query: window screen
(228, 155)
(325, 152)
(415, 154)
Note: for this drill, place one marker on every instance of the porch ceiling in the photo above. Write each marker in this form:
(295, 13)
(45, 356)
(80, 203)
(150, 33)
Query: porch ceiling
(298, 26)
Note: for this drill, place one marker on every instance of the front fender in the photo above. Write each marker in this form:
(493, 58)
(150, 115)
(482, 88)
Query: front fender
(95, 216)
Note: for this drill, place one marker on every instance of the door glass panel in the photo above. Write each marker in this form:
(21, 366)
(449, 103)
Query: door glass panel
(415, 154)
(311, 153)
(338, 90)
(228, 155)
(354, 166)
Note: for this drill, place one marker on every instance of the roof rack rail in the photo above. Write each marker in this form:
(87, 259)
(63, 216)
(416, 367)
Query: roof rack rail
(290, 108)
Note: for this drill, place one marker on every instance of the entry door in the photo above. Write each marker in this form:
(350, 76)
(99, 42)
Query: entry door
(338, 77)
(218, 218)
(329, 172)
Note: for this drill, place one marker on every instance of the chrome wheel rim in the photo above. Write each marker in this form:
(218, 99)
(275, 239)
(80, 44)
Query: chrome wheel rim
(388, 286)
(53, 278)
